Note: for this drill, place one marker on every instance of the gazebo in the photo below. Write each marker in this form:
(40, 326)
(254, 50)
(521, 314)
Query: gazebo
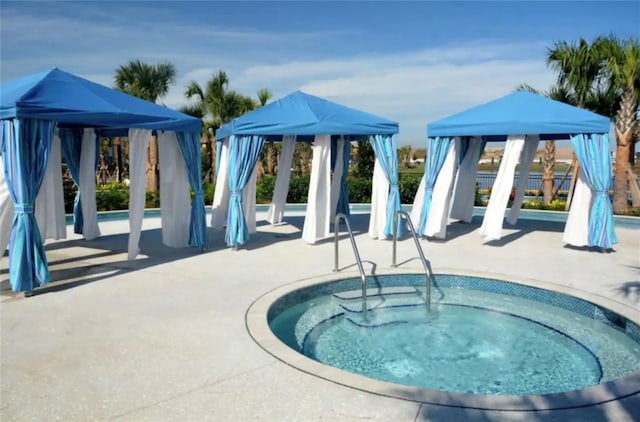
(51, 113)
(522, 119)
(331, 127)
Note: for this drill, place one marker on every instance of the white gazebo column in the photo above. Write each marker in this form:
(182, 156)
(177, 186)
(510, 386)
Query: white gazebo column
(221, 195)
(49, 208)
(280, 191)
(441, 197)
(90, 229)
(379, 200)
(249, 200)
(318, 215)
(491, 228)
(175, 199)
(138, 143)
(576, 230)
(526, 160)
(465, 187)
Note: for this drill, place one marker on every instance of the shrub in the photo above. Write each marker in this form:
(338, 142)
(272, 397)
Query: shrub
(112, 198)
(555, 205)
(152, 200)
(408, 185)
(631, 212)
(209, 189)
(264, 189)
(298, 189)
(359, 189)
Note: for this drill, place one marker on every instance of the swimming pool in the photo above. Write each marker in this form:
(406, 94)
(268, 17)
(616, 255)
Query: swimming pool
(554, 216)
(483, 338)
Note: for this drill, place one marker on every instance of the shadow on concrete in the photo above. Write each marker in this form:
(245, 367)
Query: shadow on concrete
(95, 266)
(525, 227)
(623, 409)
(629, 290)
(68, 271)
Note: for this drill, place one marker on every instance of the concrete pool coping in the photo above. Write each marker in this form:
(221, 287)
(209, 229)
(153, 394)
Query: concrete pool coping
(260, 332)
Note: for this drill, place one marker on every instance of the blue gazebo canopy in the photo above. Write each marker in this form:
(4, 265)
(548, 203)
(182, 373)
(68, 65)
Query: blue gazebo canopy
(30, 110)
(520, 113)
(306, 115)
(73, 101)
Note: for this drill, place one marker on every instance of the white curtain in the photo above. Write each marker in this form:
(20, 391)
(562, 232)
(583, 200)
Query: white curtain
(317, 219)
(491, 228)
(6, 211)
(379, 200)
(221, 196)
(175, 198)
(576, 230)
(276, 209)
(138, 143)
(49, 210)
(441, 198)
(526, 160)
(90, 228)
(336, 180)
(249, 201)
(465, 187)
(418, 201)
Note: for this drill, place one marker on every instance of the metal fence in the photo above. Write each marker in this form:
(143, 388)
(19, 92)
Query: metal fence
(486, 179)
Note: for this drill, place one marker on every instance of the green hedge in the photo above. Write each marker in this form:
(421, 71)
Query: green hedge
(115, 196)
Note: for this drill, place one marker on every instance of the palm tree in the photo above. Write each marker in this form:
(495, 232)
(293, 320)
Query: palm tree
(623, 67)
(579, 67)
(605, 77)
(558, 93)
(404, 153)
(216, 104)
(149, 82)
(264, 95)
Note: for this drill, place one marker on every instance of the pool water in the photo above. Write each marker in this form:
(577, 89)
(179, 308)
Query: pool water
(472, 341)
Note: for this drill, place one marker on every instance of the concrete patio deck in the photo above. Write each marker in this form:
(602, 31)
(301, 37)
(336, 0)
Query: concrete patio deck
(164, 338)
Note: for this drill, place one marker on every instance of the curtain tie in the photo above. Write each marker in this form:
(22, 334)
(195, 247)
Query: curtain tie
(601, 192)
(198, 194)
(236, 192)
(23, 208)
(428, 191)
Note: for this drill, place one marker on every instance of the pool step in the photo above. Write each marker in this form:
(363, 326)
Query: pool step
(383, 301)
(384, 291)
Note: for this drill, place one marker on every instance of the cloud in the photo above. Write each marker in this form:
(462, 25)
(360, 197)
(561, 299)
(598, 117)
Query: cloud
(411, 86)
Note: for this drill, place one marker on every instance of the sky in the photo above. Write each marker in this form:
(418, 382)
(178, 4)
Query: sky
(412, 62)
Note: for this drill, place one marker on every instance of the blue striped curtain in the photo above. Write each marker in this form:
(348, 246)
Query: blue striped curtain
(71, 141)
(343, 198)
(244, 152)
(595, 158)
(26, 144)
(189, 144)
(386, 149)
(437, 150)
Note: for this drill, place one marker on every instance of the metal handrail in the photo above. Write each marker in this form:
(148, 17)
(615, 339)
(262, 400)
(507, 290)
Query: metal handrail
(425, 263)
(358, 260)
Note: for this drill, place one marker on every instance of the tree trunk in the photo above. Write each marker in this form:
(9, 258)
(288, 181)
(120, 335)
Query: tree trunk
(574, 178)
(634, 187)
(152, 165)
(548, 176)
(620, 202)
(272, 158)
(206, 159)
(117, 156)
